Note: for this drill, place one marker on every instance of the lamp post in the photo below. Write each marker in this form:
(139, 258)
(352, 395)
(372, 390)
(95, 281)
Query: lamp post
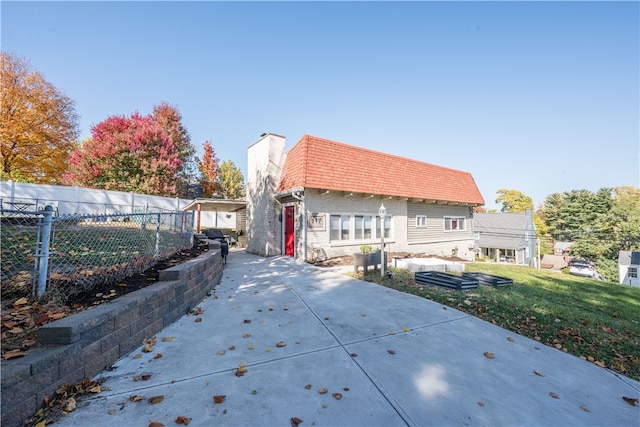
(382, 212)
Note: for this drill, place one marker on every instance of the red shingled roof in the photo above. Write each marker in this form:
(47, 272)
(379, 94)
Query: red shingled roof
(328, 165)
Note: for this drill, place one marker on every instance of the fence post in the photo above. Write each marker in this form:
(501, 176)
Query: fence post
(43, 262)
(157, 253)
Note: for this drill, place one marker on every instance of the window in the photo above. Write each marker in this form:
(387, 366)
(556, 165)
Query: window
(454, 223)
(362, 227)
(421, 221)
(387, 226)
(357, 227)
(339, 227)
(633, 272)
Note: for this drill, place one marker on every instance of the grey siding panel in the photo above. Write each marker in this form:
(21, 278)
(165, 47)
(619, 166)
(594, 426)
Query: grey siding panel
(434, 232)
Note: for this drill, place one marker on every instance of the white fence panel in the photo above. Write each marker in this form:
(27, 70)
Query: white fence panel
(80, 200)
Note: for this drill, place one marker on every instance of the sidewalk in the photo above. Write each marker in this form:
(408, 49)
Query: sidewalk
(385, 359)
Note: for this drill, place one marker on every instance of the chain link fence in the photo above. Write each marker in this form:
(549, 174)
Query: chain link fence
(41, 251)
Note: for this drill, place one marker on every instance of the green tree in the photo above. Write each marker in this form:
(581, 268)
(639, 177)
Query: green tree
(230, 181)
(513, 201)
(38, 124)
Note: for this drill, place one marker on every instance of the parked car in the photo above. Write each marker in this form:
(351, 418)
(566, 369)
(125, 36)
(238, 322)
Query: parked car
(584, 270)
(218, 235)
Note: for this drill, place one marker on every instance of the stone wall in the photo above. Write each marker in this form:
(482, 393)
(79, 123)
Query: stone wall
(82, 345)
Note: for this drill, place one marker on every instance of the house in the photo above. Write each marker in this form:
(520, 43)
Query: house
(324, 197)
(562, 248)
(554, 262)
(506, 237)
(628, 266)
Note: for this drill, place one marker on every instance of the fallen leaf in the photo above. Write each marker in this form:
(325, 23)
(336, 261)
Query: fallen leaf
(148, 348)
(391, 351)
(630, 400)
(137, 356)
(481, 404)
(295, 421)
(21, 301)
(135, 398)
(156, 424)
(219, 398)
(322, 390)
(183, 420)
(511, 339)
(13, 354)
(554, 395)
(600, 363)
(198, 319)
(220, 352)
(246, 335)
(308, 386)
(251, 346)
(337, 396)
(247, 320)
(584, 408)
(538, 373)
(281, 344)
(405, 329)
(167, 339)
(489, 355)
(70, 405)
(157, 356)
(96, 389)
(111, 411)
(156, 399)
(354, 354)
(233, 347)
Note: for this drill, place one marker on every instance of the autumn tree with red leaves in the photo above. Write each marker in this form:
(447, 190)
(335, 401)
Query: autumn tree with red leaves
(209, 167)
(127, 154)
(170, 119)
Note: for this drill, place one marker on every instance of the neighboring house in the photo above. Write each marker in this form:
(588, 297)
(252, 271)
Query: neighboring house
(506, 237)
(554, 262)
(324, 197)
(628, 266)
(562, 248)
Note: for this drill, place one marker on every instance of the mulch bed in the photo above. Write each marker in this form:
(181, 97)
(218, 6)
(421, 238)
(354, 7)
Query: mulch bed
(22, 316)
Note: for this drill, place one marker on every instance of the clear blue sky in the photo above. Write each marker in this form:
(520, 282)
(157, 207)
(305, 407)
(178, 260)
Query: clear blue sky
(539, 97)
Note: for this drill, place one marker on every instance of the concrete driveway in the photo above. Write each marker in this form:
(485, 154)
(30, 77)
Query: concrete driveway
(323, 349)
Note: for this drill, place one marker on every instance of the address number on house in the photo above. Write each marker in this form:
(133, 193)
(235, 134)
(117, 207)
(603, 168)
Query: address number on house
(316, 222)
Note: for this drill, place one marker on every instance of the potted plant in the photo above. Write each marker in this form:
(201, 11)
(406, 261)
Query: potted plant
(366, 257)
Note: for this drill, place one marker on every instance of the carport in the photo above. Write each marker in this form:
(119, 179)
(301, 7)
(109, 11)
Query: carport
(219, 205)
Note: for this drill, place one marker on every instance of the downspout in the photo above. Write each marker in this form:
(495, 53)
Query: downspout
(297, 195)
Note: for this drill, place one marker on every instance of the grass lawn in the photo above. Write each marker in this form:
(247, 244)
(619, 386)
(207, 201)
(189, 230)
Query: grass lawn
(597, 321)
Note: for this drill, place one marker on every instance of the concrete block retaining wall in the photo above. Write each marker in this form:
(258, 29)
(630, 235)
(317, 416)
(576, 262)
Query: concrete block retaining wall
(81, 345)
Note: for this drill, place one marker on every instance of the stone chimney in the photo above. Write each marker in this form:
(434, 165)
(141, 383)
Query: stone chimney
(265, 160)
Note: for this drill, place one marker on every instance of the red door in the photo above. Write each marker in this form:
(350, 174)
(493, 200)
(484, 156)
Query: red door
(289, 235)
